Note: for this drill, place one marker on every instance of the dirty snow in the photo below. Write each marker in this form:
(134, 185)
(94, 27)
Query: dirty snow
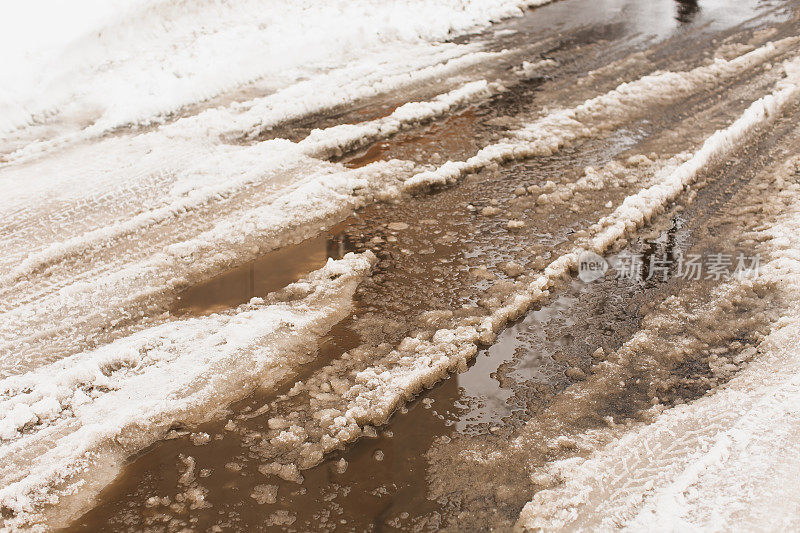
(628, 101)
(111, 202)
(345, 399)
(128, 170)
(719, 463)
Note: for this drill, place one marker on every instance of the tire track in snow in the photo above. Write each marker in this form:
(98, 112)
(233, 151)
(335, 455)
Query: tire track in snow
(139, 289)
(697, 78)
(720, 462)
(625, 103)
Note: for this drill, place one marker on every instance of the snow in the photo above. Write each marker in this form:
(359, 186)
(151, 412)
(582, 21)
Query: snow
(722, 462)
(121, 285)
(106, 64)
(158, 187)
(133, 163)
(64, 417)
(111, 202)
(110, 223)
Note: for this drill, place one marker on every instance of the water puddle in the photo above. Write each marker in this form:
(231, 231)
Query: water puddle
(454, 136)
(266, 274)
(656, 19)
(427, 265)
(376, 483)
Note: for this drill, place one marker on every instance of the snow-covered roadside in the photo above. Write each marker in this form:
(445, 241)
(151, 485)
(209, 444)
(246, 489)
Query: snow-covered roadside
(100, 65)
(67, 423)
(719, 463)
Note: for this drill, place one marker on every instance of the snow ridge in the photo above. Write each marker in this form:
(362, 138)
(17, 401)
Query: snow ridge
(129, 290)
(733, 450)
(272, 155)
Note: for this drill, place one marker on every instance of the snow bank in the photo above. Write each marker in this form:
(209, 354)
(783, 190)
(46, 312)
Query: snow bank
(61, 422)
(338, 139)
(725, 461)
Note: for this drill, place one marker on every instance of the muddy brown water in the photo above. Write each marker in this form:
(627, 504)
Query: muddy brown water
(268, 273)
(385, 483)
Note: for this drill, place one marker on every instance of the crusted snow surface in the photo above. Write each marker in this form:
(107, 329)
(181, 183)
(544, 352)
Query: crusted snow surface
(79, 299)
(63, 421)
(628, 101)
(99, 65)
(344, 400)
(725, 461)
(195, 184)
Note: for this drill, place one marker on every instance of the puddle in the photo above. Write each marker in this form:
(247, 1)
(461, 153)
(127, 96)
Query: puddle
(453, 136)
(266, 274)
(655, 19)
(425, 266)
(383, 484)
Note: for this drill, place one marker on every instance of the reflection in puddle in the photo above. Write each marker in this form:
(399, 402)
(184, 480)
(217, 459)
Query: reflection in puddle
(266, 274)
(687, 9)
(521, 355)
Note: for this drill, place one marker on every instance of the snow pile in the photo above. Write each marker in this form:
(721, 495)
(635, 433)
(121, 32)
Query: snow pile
(63, 421)
(108, 64)
(628, 101)
(722, 462)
